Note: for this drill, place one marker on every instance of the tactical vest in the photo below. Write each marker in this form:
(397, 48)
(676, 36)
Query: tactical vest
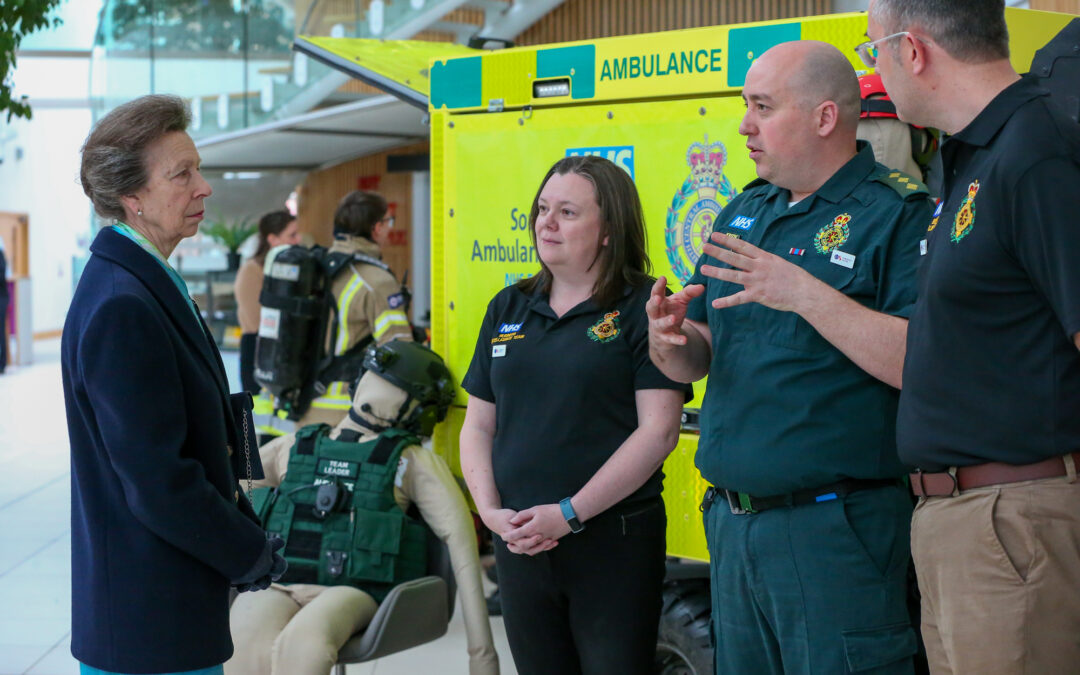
(337, 514)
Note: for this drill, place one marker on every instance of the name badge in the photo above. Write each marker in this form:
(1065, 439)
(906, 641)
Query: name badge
(842, 259)
(497, 351)
(922, 247)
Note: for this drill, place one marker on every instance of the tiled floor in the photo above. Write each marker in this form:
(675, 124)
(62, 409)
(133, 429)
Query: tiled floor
(35, 560)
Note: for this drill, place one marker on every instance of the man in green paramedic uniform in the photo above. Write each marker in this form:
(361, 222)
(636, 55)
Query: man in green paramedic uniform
(797, 313)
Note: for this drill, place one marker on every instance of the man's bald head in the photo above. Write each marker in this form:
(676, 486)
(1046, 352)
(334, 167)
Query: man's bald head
(817, 72)
(802, 111)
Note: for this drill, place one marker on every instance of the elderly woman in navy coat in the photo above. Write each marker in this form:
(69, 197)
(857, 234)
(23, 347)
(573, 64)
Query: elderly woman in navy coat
(159, 532)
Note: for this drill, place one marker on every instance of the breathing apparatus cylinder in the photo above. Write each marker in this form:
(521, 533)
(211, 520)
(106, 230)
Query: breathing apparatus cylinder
(292, 324)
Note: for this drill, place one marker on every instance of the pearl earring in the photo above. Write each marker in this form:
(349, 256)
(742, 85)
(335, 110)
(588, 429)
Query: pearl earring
(139, 212)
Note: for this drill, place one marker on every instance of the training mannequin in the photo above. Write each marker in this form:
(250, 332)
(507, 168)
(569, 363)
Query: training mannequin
(891, 138)
(297, 629)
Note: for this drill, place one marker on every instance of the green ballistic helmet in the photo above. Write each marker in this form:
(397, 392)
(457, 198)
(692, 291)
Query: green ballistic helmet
(422, 374)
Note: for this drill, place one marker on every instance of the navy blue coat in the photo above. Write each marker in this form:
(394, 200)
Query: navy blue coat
(158, 527)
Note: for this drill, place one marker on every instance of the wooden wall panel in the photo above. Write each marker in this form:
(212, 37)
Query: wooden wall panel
(1067, 6)
(591, 19)
(322, 190)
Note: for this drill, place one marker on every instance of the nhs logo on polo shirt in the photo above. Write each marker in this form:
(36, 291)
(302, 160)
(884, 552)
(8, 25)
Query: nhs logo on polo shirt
(742, 223)
(510, 328)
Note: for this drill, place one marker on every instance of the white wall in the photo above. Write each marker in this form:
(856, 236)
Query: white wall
(39, 175)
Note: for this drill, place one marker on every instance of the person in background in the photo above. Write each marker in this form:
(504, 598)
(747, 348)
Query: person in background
(159, 531)
(277, 228)
(4, 299)
(370, 301)
(797, 314)
(568, 423)
(990, 410)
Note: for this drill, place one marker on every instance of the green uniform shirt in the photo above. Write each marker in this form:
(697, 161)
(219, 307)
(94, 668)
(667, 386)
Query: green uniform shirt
(785, 410)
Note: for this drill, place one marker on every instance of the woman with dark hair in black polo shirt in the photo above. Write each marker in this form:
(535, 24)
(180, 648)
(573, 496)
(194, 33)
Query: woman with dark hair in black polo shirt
(567, 426)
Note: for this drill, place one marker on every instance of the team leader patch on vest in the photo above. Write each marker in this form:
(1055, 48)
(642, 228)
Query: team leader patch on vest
(965, 215)
(833, 235)
(606, 329)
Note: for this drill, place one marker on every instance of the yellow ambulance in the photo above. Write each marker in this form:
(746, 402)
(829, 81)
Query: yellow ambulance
(666, 108)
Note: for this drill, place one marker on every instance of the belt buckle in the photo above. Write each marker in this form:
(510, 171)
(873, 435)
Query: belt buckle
(739, 503)
(707, 500)
(918, 476)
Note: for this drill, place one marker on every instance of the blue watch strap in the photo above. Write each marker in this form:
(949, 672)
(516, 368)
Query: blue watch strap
(571, 517)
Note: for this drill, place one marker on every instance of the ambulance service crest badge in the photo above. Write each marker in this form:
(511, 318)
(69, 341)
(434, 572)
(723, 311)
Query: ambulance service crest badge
(965, 216)
(606, 329)
(832, 235)
(694, 208)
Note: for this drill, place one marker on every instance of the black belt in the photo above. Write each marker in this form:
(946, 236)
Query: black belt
(741, 503)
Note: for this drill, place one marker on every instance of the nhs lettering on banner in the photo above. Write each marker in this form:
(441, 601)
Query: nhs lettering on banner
(621, 156)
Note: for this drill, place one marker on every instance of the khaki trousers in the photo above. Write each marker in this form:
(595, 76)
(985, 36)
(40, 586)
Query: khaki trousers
(276, 635)
(999, 573)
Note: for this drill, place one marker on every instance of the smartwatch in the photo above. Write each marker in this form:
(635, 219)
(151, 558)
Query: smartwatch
(571, 517)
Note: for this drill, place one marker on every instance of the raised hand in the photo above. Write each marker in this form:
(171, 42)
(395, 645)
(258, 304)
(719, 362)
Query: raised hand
(667, 312)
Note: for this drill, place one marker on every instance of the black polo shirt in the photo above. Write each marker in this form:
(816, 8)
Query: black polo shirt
(563, 389)
(992, 373)
(784, 409)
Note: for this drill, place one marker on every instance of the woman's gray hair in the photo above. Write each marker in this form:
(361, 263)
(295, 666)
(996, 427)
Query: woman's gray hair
(113, 157)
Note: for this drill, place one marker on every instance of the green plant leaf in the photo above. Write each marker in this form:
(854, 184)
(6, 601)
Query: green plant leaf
(230, 233)
(18, 19)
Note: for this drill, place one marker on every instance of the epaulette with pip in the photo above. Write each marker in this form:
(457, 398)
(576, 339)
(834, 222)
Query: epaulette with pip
(904, 185)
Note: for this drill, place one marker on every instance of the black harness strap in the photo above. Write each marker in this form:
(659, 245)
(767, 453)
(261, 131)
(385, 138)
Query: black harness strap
(306, 444)
(364, 423)
(349, 436)
(383, 449)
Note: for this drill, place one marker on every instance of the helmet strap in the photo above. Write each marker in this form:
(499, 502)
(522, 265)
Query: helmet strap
(365, 423)
(404, 409)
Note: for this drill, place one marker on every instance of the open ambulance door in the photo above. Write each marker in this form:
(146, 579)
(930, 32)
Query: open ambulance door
(401, 68)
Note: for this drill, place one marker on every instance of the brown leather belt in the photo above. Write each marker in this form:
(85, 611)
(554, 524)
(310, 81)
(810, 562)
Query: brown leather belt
(982, 475)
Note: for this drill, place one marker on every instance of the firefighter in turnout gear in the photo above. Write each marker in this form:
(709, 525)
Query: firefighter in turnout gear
(298, 628)
(371, 303)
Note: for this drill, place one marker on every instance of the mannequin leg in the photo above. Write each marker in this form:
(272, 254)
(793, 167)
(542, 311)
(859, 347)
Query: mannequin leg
(310, 642)
(256, 620)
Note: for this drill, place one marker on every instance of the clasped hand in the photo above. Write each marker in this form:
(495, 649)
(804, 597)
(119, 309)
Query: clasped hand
(270, 567)
(529, 531)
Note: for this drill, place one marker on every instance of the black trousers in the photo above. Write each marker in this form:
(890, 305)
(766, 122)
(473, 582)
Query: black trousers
(591, 605)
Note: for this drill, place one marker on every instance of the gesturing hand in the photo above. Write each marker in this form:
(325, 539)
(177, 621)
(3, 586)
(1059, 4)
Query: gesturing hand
(766, 279)
(667, 312)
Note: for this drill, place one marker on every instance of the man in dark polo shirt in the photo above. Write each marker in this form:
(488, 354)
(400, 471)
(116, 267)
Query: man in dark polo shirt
(990, 410)
(797, 313)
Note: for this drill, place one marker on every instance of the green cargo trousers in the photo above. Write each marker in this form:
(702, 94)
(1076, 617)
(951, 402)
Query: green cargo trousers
(818, 589)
